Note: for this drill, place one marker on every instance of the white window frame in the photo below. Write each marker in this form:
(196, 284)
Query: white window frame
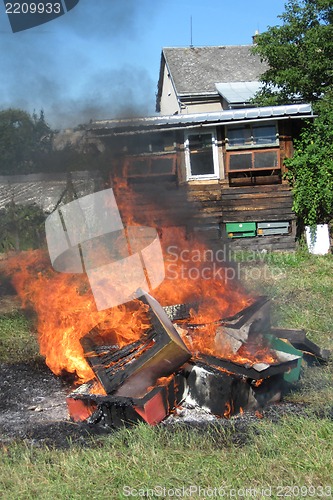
(189, 175)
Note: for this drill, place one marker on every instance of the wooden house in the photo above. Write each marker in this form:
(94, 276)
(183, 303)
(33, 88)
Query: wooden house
(211, 161)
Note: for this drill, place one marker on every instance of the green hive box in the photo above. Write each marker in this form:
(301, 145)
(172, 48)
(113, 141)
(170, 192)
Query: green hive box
(280, 345)
(241, 229)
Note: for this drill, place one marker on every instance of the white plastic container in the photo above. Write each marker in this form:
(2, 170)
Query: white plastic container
(321, 243)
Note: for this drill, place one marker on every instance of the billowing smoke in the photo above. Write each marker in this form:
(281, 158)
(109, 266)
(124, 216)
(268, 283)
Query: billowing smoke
(72, 67)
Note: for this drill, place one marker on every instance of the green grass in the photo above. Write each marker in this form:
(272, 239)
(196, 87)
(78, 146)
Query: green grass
(315, 389)
(18, 340)
(301, 288)
(295, 451)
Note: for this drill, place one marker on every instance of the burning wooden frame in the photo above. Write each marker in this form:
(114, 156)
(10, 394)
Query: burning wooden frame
(147, 379)
(130, 370)
(113, 410)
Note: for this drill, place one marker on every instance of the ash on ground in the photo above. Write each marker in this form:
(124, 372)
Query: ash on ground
(34, 410)
(33, 407)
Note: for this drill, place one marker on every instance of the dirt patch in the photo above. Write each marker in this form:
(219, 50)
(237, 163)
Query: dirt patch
(34, 410)
(9, 304)
(33, 407)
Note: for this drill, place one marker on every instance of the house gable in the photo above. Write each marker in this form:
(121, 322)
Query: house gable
(195, 71)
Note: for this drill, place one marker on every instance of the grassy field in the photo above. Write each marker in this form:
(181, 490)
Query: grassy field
(18, 341)
(291, 457)
(295, 453)
(301, 288)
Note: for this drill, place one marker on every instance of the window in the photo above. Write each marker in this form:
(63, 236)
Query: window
(252, 135)
(137, 144)
(256, 160)
(201, 155)
(253, 154)
(143, 166)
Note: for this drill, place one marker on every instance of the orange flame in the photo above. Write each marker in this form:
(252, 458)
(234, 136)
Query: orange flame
(66, 310)
(228, 409)
(257, 383)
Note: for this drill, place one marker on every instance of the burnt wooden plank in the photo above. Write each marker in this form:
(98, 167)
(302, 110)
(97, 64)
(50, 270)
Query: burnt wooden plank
(216, 208)
(252, 213)
(246, 196)
(256, 189)
(257, 217)
(248, 371)
(204, 196)
(201, 189)
(281, 243)
(284, 213)
(254, 209)
(208, 219)
(202, 185)
(152, 179)
(262, 203)
(287, 208)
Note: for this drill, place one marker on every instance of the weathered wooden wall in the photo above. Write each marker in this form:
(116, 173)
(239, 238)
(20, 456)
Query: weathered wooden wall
(257, 203)
(205, 207)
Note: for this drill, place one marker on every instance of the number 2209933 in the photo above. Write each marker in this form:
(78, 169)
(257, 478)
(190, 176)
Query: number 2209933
(33, 8)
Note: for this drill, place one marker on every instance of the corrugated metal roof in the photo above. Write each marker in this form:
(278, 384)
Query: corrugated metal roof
(238, 92)
(167, 121)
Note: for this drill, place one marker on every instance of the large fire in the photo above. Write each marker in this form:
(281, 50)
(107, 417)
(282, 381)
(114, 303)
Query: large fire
(66, 311)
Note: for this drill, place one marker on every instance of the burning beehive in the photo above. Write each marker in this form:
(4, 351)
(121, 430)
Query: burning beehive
(201, 339)
(142, 382)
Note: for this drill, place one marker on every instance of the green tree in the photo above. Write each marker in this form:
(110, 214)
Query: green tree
(299, 52)
(22, 139)
(310, 170)
(21, 227)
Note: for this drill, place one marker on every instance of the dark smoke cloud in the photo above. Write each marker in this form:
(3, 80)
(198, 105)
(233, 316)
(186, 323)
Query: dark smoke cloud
(32, 63)
(119, 93)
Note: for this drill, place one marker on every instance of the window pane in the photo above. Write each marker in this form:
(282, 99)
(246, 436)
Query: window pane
(264, 134)
(268, 159)
(202, 163)
(162, 142)
(239, 136)
(162, 166)
(200, 141)
(201, 154)
(240, 162)
(138, 167)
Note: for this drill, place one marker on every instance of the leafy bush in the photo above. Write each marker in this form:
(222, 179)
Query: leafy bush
(21, 227)
(311, 168)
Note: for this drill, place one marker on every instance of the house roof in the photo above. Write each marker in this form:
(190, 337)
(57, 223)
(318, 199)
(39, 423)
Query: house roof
(158, 122)
(195, 70)
(238, 92)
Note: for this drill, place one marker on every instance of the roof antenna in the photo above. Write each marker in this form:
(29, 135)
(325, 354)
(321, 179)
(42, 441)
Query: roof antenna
(191, 30)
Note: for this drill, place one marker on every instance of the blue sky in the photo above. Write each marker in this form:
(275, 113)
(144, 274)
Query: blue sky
(101, 59)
